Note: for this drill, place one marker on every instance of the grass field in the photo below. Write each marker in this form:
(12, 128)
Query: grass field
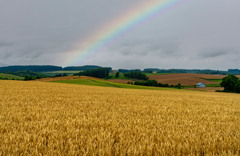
(42, 118)
(11, 77)
(215, 80)
(213, 85)
(96, 82)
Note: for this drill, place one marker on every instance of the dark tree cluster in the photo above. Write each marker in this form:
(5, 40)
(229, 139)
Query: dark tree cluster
(30, 77)
(60, 75)
(99, 73)
(136, 75)
(117, 74)
(156, 84)
(231, 84)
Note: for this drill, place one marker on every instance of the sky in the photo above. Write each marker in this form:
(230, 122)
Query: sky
(189, 34)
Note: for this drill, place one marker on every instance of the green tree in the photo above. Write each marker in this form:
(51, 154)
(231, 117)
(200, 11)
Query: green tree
(179, 86)
(230, 83)
(28, 77)
(237, 87)
(117, 75)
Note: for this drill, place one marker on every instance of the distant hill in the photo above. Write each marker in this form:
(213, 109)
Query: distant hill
(47, 68)
(193, 71)
(83, 68)
(33, 68)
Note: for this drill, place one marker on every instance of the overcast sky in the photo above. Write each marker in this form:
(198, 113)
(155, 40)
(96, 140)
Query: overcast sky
(195, 34)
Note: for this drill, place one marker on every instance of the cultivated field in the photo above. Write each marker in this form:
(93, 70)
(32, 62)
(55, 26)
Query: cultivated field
(65, 119)
(186, 79)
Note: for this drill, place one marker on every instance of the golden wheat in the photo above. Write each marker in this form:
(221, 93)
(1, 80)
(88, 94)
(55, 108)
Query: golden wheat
(60, 119)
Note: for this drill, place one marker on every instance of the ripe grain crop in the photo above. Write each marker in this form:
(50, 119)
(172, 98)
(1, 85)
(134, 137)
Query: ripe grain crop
(42, 118)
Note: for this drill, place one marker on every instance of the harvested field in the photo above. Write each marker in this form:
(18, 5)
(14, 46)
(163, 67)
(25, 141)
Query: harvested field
(186, 79)
(39, 118)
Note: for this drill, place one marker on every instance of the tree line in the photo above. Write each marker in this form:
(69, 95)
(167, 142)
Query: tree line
(49, 68)
(154, 83)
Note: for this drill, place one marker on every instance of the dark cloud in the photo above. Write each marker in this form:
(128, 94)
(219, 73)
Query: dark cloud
(214, 54)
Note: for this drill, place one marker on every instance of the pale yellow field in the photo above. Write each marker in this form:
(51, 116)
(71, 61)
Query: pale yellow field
(50, 119)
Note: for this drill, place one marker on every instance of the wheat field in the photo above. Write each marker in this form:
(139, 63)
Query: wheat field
(42, 118)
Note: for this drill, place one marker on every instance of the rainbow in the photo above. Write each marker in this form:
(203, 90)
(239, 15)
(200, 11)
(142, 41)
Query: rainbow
(112, 30)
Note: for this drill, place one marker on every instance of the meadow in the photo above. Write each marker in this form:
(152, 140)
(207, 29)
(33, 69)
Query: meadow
(44, 118)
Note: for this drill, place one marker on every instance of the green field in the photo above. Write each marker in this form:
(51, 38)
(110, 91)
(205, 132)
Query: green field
(213, 85)
(215, 80)
(10, 77)
(93, 82)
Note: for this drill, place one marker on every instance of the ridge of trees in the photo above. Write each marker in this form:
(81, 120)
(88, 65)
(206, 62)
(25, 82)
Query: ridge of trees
(154, 83)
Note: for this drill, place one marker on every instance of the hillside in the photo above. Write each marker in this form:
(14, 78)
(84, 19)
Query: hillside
(186, 79)
(10, 77)
(92, 81)
(51, 118)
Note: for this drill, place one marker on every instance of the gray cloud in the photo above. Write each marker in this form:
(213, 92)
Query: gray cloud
(193, 34)
(215, 53)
